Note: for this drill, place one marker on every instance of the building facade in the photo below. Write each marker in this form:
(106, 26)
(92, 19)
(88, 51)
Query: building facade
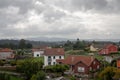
(51, 55)
(38, 52)
(6, 53)
(81, 64)
(108, 49)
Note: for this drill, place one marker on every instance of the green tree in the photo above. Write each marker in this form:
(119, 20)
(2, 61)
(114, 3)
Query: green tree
(68, 45)
(28, 46)
(72, 78)
(22, 44)
(29, 67)
(79, 45)
(39, 76)
(60, 68)
(107, 74)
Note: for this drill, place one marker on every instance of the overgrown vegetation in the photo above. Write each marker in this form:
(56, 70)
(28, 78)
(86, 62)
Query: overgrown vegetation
(5, 76)
(29, 67)
(59, 68)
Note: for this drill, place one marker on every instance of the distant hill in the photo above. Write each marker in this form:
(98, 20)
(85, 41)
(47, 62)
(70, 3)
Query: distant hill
(34, 43)
(54, 41)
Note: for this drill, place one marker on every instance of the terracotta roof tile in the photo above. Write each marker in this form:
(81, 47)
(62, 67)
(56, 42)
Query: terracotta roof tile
(73, 59)
(6, 50)
(54, 51)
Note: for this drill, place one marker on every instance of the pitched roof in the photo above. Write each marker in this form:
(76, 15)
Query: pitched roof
(54, 51)
(6, 50)
(107, 46)
(74, 59)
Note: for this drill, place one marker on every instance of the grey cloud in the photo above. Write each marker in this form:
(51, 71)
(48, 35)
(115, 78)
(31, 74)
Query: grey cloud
(24, 5)
(51, 15)
(89, 4)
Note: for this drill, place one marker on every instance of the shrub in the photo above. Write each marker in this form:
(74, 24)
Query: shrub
(29, 67)
(2, 62)
(39, 76)
(13, 63)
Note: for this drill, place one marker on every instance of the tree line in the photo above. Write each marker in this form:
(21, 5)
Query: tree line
(21, 45)
(77, 45)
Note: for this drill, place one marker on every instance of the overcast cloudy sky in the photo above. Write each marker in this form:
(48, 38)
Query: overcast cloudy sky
(84, 19)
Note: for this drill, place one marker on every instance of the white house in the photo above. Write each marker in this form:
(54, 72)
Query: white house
(38, 52)
(52, 54)
(6, 53)
(92, 48)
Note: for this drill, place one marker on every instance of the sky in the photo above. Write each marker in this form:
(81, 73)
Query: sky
(84, 19)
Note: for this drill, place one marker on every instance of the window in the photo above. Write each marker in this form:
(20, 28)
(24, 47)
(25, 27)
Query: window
(59, 57)
(90, 68)
(98, 66)
(37, 55)
(53, 57)
(54, 63)
(49, 56)
(49, 63)
(81, 69)
(94, 62)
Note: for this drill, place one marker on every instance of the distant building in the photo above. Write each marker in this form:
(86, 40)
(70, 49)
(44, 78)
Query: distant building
(108, 49)
(37, 52)
(81, 64)
(92, 48)
(6, 54)
(52, 54)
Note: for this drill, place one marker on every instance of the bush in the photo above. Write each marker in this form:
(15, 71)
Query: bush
(60, 68)
(72, 78)
(29, 67)
(4, 76)
(2, 63)
(13, 63)
(39, 76)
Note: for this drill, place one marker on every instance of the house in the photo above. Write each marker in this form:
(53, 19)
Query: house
(81, 64)
(6, 54)
(118, 63)
(108, 49)
(52, 54)
(92, 48)
(37, 52)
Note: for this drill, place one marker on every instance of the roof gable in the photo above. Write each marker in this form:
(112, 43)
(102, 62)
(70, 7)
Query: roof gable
(73, 59)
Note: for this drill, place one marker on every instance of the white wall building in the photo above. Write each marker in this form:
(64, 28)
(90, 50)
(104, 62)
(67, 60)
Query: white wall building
(38, 53)
(51, 55)
(6, 53)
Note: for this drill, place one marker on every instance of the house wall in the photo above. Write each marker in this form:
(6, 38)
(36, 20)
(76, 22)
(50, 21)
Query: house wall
(38, 53)
(118, 63)
(80, 64)
(5, 55)
(92, 48)
(109, 50)
(95, 65)
(108, 58)
(52, 60)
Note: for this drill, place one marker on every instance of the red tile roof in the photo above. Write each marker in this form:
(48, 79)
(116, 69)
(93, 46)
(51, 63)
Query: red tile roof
(54, 51)
(107, 46)
(74, 59)
(6, 50)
